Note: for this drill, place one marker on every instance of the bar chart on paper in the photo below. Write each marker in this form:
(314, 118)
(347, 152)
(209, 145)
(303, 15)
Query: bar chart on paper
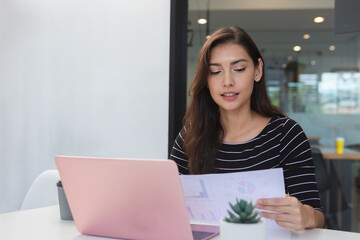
(207, 196)
(198, 191)
(199, 196)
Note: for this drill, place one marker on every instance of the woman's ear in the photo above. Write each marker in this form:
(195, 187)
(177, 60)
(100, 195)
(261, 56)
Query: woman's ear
(259, 70)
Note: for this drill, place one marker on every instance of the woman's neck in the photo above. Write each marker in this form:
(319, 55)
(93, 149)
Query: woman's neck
(231, 120)
(241, 126)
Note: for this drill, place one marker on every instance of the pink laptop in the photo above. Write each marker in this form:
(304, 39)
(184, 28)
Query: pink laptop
(128, 198)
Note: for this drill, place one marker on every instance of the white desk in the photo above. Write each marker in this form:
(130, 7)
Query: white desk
(45, 224)
(348, 154)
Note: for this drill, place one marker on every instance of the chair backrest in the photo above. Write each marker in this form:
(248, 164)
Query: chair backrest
(325, 185)
(321, 171)
(43, 191)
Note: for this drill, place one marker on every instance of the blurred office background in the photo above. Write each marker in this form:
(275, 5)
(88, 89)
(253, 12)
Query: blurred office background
(312, 69)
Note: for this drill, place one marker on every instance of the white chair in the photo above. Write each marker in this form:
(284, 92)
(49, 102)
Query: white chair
(43, 191)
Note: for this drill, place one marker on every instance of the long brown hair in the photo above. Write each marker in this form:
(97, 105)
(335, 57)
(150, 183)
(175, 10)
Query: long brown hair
(202, 128)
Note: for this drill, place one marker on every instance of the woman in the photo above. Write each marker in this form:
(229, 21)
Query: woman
(230, 125)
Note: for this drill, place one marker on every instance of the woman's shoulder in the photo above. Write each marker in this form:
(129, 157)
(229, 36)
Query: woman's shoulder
(283, 124)
(282, 121)
(287, 127)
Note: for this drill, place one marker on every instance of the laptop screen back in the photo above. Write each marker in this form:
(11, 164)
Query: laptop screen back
(125, 198)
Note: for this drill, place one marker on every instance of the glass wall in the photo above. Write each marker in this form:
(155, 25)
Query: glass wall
(312, 73)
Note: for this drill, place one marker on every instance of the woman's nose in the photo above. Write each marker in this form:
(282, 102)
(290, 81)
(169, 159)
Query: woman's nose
(228, 80)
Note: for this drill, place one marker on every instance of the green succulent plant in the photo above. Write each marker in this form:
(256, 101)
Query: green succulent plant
(243, 212)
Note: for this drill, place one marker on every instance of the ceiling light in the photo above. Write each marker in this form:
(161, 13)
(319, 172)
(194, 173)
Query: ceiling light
(296, 48)
(319, 19)
(313, 62)
(306, 36)
(202, 21)
(332, 48)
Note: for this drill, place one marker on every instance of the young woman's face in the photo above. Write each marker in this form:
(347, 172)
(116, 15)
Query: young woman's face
(231, 77)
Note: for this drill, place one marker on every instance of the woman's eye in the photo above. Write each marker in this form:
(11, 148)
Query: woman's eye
(214, 72)
(239, 69)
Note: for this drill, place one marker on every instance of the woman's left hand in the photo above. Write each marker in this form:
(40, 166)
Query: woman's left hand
(288, 212)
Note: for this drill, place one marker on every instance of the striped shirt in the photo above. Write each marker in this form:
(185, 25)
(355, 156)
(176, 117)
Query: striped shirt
(282, 143)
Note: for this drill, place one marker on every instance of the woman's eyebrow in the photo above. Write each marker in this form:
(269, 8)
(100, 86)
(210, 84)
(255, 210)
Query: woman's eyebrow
(237, 61)
(232, 63)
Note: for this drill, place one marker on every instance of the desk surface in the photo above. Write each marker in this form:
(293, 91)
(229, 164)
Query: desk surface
(45, 223)
(348, 154)
(313, 138)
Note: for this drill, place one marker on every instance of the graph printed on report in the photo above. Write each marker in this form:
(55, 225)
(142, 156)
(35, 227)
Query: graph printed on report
(207, 196)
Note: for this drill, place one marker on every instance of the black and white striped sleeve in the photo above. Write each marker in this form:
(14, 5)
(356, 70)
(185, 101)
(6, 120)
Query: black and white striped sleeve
(179, 156)
(298, 165)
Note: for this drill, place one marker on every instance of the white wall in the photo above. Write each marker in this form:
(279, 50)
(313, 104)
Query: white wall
(80, 77)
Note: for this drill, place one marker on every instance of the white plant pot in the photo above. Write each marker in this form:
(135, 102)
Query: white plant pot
(236, 231)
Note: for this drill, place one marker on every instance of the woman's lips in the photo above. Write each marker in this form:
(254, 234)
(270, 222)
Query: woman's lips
(229, 96)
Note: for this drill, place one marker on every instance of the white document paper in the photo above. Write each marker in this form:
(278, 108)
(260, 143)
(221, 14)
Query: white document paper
(207, 196)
